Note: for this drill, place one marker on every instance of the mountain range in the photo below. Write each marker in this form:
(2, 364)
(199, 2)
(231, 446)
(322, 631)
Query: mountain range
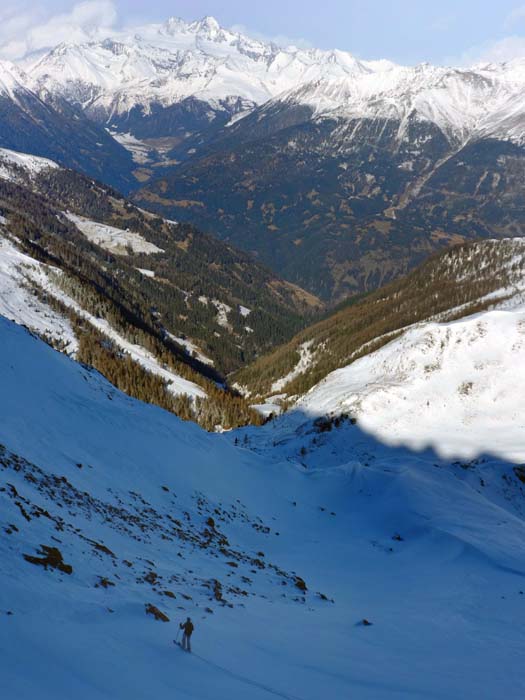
(381, 516)
(337, 173)
(262, 355)
(159, 66)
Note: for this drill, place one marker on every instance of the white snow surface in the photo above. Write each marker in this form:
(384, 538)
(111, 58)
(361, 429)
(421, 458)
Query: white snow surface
(31, 165)
(12, 80)
(431, 553)
(456, 387)
(191, 348)
(114, 239)
(222, 312)
(139, 150)
(19, 304)
(167, 63)
(146, 273)
(305, 360)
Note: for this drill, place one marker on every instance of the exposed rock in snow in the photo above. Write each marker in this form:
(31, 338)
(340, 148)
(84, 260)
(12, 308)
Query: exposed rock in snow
(140, 511)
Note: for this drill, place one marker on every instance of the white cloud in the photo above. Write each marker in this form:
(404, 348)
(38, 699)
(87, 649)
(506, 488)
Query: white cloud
(499, 51)
(506, 48)
(279, 39)
(22, 32)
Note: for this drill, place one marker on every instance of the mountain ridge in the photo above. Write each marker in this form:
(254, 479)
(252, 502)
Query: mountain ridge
(163, 64)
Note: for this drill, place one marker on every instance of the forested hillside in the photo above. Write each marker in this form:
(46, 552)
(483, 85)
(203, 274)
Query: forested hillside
(459, 282)
(194, 304)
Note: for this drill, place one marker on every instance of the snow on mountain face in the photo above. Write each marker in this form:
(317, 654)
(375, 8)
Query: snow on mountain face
(456, 387)
(150, 511)
(19, 304)
(165, 64)
(20, 275)
(450, 386)
(12, 79)
(13, 164)
(114, 239)
(462, 103)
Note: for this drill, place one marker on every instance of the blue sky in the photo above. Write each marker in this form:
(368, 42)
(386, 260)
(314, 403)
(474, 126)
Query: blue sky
(406, 31)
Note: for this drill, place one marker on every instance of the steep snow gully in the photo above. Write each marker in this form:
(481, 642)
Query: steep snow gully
(277, 564)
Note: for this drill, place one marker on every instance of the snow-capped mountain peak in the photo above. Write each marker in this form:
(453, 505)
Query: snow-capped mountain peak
(12, 79)
(167, 63)
(164, 64)
(207, 25)
(462, 103)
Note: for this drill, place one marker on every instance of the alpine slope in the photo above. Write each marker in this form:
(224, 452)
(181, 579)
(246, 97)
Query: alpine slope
(314, 558)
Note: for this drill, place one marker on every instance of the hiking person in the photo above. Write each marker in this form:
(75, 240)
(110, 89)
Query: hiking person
(186, 637)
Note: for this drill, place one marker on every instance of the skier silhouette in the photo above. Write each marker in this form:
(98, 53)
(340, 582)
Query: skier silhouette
(186, 637)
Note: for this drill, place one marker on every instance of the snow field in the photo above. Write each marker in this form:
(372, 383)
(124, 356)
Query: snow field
(433, 557)
(113, 239)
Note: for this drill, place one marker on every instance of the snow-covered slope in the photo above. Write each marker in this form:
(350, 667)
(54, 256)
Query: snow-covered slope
(26, 289)
(114, 239)
(147, 510)
(13, 164)
(166, 64)
(169, 62)
(454, 386)
(13, 80)
(463, 381)
(19, 274)
(482, 101)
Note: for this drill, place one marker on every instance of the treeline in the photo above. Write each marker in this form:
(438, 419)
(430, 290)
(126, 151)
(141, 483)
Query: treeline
(169, 301)
(448, 286)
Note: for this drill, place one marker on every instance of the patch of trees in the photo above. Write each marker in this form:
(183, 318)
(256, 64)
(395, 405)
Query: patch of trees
(220, 409)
